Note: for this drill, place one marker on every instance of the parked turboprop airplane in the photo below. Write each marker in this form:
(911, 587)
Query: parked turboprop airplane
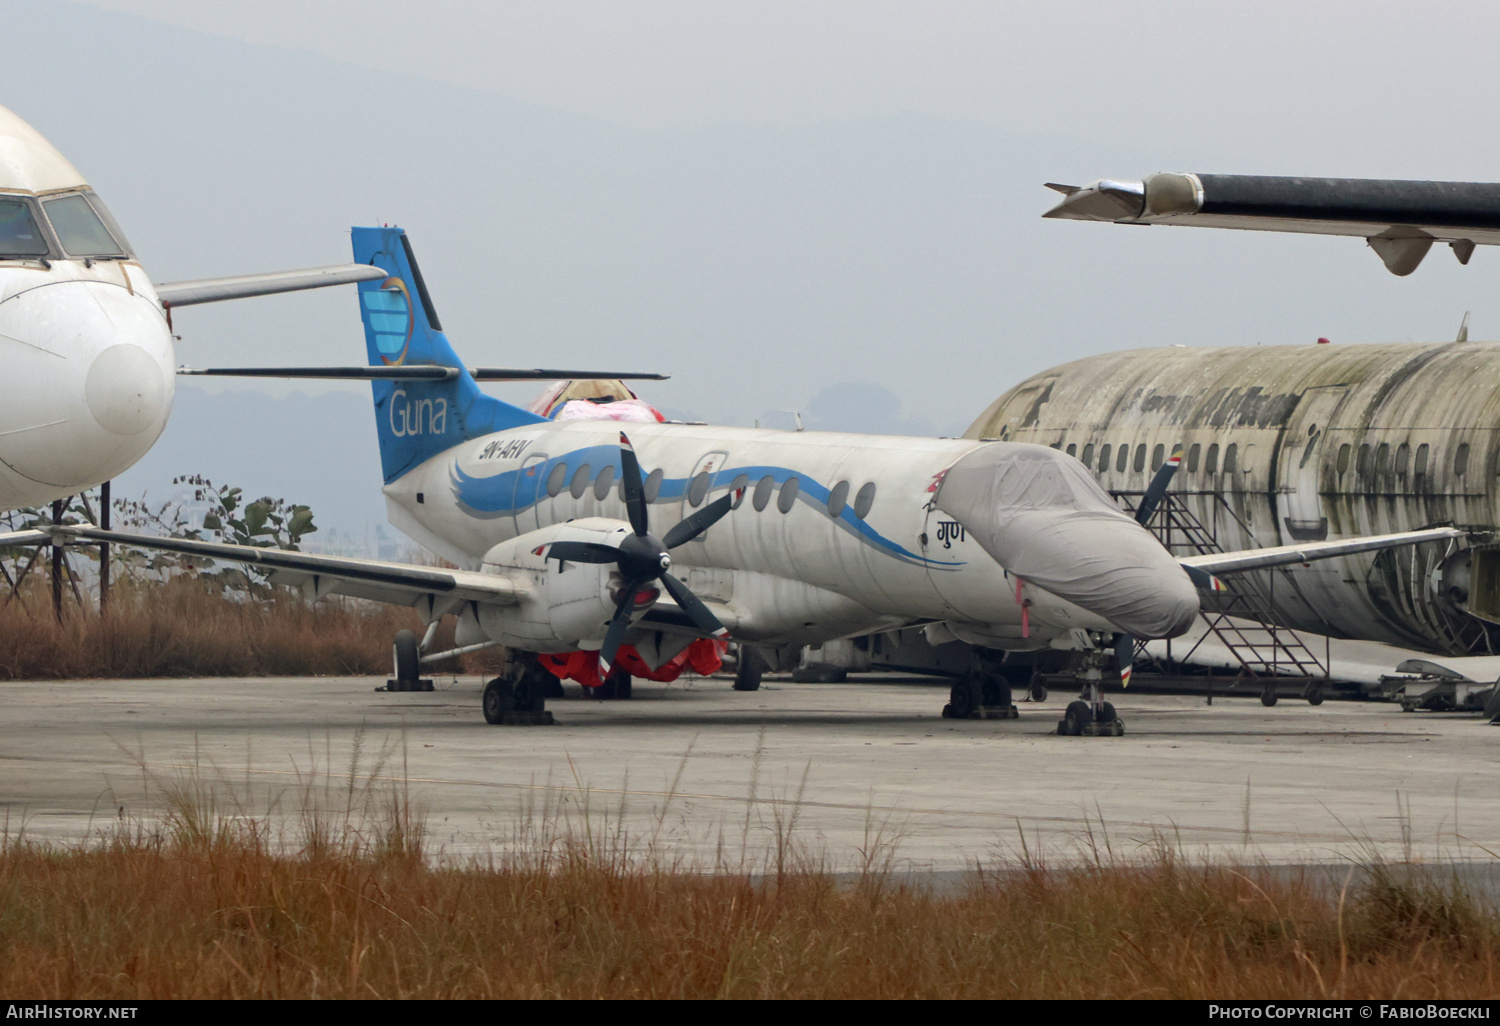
(779, 539)
(85, 338)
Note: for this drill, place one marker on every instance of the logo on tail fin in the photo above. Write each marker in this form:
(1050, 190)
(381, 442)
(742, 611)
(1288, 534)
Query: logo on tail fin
(392, 319)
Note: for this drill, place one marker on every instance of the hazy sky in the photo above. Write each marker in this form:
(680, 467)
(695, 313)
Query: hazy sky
(829, 207)
(1363, 87)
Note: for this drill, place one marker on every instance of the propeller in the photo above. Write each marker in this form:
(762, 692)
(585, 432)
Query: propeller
(644, 559)
(1157, 489)
(1124, 657)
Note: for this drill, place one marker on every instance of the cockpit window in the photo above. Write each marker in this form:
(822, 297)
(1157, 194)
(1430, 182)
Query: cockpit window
(80, 229)
(19, 234)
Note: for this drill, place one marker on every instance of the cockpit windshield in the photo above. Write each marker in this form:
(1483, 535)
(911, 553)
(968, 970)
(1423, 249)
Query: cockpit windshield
(80, 229)
(19, 234)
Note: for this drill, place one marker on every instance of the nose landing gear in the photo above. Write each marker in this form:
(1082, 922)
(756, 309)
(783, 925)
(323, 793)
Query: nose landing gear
(1090, 715)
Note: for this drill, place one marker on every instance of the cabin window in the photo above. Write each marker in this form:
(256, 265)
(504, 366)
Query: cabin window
(1104, 457)
(1461, 460)
(1193, 454)
(652, 488)
(1055, 445)
(1403, 459)
(79, 229)
(788, 496)
(1122, 460)
(1383, 458)
(1212, 467)
(1088, 455)
(1343, 461)
(1158, 457)
(763, 489)
(602, 484)
(1140, 457)
(580, 482)
(1363, 464)
(864, 500)
(1231, 457)
(838, 499)
(698, 490)
(1072, 448)
(556, 478)
(1421, 464)
(19, 234)
(737, 489)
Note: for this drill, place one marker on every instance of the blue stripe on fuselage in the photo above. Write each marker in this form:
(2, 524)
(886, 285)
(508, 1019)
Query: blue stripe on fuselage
(515, 491)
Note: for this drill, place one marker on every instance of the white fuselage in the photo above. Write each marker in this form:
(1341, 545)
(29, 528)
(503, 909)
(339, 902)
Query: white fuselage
(795, 571)
(87, 355)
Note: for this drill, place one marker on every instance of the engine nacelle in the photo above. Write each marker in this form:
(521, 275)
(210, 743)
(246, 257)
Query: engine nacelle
(569, 605)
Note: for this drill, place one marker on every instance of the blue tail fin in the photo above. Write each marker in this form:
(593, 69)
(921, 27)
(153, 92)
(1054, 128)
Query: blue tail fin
(416, 420)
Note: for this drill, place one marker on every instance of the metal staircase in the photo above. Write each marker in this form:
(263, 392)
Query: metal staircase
(1244, 619)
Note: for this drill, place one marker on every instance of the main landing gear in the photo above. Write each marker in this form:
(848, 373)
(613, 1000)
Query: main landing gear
(519, 698)
(407, 655)
(979, 695)
(1090, 715)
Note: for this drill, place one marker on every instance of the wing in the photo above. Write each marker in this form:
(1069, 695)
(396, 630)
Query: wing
(1287, 555)
(420, 372)
(241, 286)
(397, 583)
(1400, 219)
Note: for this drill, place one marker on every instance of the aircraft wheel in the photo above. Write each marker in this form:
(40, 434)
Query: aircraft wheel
(1268, 697)
(1077, 717)
(996, 689)
(616, 685)
(497, 701)
(965, 697)
(747, 673)
(406, 654)
(1315, 695)
(1107, 713)
(1037, 692)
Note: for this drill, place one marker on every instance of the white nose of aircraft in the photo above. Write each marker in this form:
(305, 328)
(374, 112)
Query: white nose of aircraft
(88, 384)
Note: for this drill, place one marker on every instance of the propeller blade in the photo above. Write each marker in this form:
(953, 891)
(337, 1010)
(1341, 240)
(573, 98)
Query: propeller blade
(1204, 580)
(582, 552)
(618, 625)
(1157, 490)
(1124, 657)
(635, 490)
(693, 606)
(692, 526)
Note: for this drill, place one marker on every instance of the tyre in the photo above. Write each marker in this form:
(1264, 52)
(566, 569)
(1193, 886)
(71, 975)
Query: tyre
(407, 657)
(1037, 692)
(996, 690)
(497, 701)
(1107, 713)
(1077, 717)
(1268, 697)
(1315, 695)
(965, 697)
(747, 673)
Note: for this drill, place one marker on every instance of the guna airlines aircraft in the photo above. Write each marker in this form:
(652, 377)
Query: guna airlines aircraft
(589, 553)
(85, 338)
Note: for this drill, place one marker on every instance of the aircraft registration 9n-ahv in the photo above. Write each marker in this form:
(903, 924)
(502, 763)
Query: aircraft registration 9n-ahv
(85, 337)
(573, 538)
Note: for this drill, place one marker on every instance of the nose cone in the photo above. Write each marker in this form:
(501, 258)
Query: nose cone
(1043, 517)
(88, 381)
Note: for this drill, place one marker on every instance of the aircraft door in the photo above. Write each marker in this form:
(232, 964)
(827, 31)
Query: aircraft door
(531, 490)
(699, 485)
(1306, 450)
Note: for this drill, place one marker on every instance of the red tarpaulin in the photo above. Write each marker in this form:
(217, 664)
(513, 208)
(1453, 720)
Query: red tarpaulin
(703, 656)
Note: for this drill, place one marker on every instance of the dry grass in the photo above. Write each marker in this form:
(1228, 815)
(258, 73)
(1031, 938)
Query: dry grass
(211, 904)
(182, 629)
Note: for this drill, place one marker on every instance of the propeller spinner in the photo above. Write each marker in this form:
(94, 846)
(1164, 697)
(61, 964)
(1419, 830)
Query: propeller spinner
(644, 558)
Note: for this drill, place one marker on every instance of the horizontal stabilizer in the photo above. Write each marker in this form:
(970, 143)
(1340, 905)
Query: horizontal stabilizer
(419, 372)
(1288, 555)
(242, 286)
(1400, 219)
